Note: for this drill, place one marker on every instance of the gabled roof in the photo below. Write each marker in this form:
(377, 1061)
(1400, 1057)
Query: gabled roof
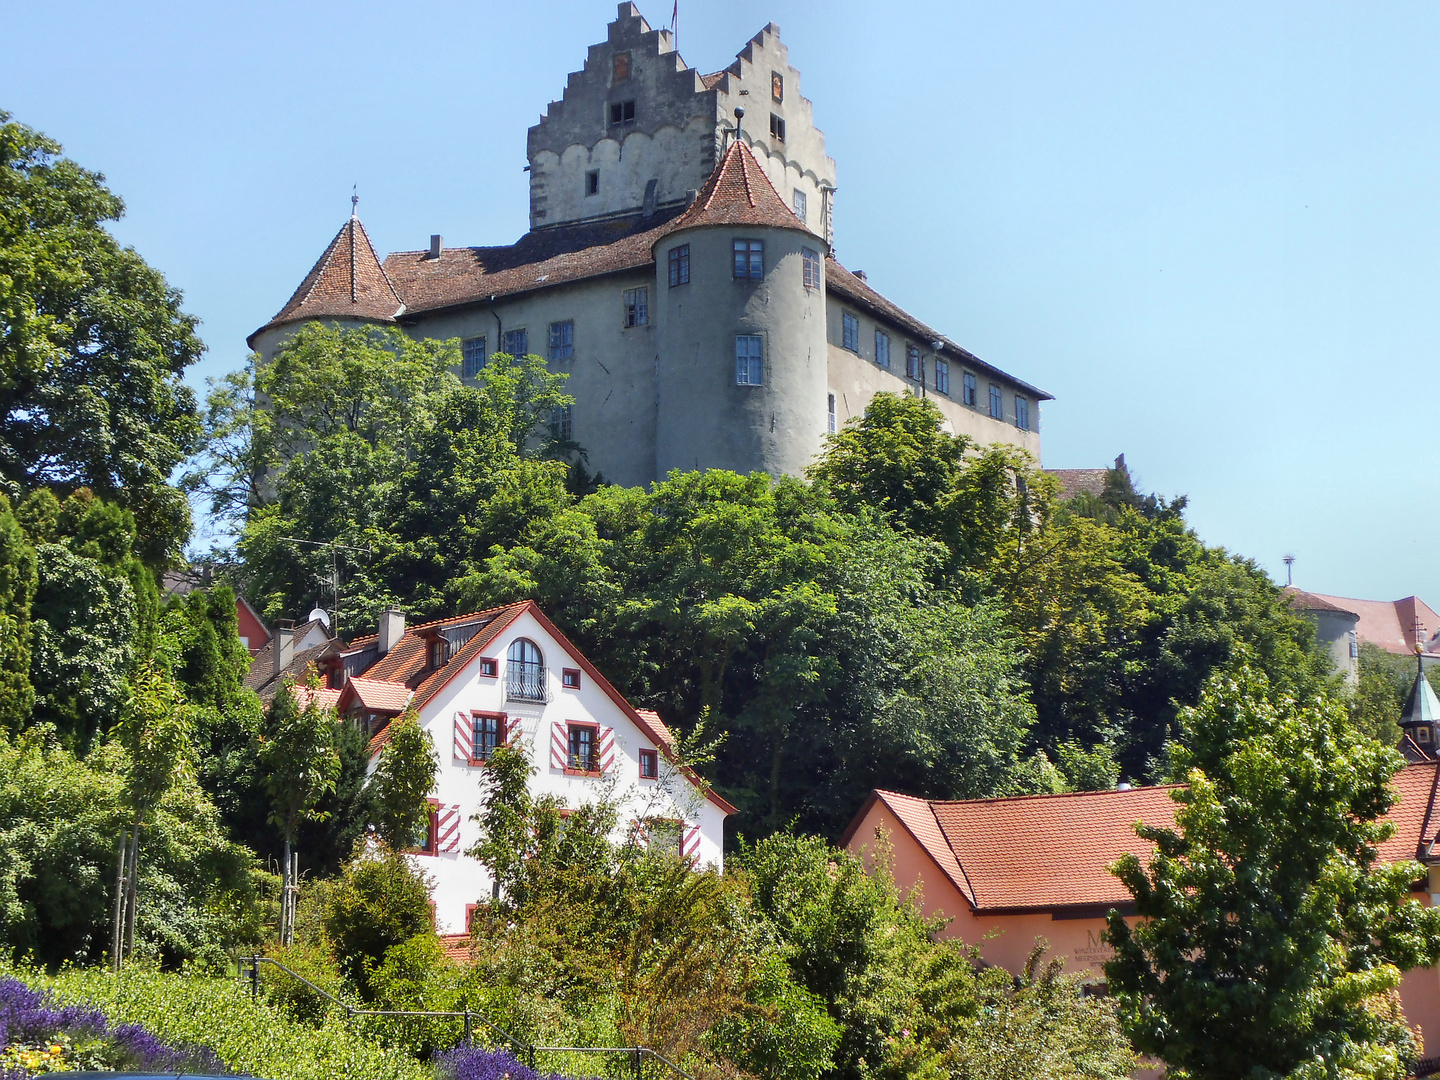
(262, 677)
(1388, 624)
(1306, 601)
(1053, 852)
(323, 696)
(739, 193)
(375, 695)
(347, 282)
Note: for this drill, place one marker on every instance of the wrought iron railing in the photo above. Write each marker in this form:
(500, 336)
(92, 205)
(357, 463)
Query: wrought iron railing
(524, 681)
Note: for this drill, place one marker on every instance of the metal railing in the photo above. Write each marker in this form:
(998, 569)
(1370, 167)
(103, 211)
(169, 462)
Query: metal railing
(524, 1051)
(524, 681)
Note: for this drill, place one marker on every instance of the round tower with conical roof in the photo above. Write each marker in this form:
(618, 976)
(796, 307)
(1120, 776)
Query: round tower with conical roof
(741, 355)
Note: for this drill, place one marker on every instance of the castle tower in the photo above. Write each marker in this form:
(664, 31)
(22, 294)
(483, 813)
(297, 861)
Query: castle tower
(637, 131)
(347, 286)
(741, 352)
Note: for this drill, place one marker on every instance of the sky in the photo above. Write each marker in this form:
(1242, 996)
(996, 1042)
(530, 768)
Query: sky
(1210, 231)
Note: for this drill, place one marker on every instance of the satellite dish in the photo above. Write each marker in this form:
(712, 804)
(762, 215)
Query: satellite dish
(322, 616)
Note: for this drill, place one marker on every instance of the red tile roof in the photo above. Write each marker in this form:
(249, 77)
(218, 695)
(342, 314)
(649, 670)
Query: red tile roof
(1304, 601)
(347, 282)
(323, 696)
(739, 193)
(377, 695)
(1048, 852)
(457, 947)
(1389, 624)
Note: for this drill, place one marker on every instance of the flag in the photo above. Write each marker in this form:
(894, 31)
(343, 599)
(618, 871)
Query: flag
(675, 17)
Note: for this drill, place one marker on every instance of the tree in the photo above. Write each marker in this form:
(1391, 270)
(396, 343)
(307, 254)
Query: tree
(379, 902)
(402, 781)
(299, 764)
(1270, 937)
(93, 346)
(18, 581)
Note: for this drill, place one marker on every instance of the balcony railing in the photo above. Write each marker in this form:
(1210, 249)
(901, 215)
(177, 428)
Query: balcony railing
(524, 681)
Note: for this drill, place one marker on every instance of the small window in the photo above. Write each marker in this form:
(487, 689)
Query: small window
(969, 390)
(622, 113)
(437, 652)
(562, 423)
(592, 182)
(749, 258)
(849, 332)
(777, 128)
(488, 736)
(914, 366)
(662, 835)
(1022, 413)
(570, 678)
(749, 360)
(810, 258)
(1354, 645)
(472, 352)
(942, 376)
(649, 764)
(562, 340)
(799, 202)
(680, 265)
(517, 342)
(830, 407)
(1422, 734)
(882, 348)
(997, 404)
(777, 86)
(620, 67)
(425, 835)
(583, 749)
(637, 307)
(489, 667)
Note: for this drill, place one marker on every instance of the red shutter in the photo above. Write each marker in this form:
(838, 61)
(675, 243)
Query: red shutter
(513, 731)
(559, 745)
(464, 737)
(690, 843)
(447, 829)
(607, 749)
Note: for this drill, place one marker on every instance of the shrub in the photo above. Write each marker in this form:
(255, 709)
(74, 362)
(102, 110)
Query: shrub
(379, 902)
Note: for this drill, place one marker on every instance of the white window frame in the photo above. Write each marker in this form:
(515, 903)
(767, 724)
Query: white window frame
(637, 306)
(749, 360)
(473, 357)
(565, 349)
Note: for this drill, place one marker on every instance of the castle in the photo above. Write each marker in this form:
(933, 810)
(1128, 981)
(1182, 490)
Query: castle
(678, 269)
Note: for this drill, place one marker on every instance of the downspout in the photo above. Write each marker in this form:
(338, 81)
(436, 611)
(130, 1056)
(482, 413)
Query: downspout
(499, 328)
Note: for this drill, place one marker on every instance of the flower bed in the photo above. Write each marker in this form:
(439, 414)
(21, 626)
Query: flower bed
(38, 1035)
(468, 1062)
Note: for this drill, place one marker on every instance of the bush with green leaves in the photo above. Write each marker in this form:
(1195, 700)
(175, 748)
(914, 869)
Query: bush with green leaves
(380, 901)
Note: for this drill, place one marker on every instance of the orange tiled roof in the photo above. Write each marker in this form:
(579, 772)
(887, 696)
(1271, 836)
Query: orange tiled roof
(739, 193)
(1047, 852)
(323, 696)
(457, 947)
(347, 282)
(1390, 624)
(378, 695)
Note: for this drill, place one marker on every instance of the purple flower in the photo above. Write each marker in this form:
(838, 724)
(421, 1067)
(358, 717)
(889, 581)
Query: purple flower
(470, 1062)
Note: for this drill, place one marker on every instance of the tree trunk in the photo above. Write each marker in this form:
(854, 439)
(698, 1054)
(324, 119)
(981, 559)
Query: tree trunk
(122, 853)
(130, 889)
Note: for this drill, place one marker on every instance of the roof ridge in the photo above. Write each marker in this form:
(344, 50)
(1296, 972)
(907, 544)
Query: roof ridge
(1020, 798)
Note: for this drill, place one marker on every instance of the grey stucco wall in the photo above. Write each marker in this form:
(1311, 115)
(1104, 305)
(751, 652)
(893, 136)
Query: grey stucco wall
(1333, 630)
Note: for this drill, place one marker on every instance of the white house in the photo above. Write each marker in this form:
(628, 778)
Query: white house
(510, 676)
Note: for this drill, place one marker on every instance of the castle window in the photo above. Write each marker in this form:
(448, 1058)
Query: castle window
(516, 342)
(849, 332)
(649, 764)
(562, 423)
(798, 201)
(592, 182)
(620, 67)
(882, 348)
(1022, 413)
(472, 352)
(811, 259)
(830, 410)
(967, 391)
(637, 307)
(997, 403)
(914, 367)
(749, 360)
(942, 376)
(749, 258)
(777, 86)
(777, 128)
(622, 113)
(562, 340)
(680, 265)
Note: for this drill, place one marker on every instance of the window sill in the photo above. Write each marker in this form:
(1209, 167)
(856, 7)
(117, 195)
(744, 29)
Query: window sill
(582, 772)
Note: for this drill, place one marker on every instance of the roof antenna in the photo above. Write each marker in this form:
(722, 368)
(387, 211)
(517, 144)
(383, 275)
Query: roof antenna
(1289, 561)
(354, 201)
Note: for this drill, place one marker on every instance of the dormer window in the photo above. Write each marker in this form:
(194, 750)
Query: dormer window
(436, 653)
(622, 113)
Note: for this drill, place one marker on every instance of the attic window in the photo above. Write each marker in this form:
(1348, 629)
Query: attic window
(622, 113)
(777, 86)
(489, 667)
(649, 765)
(436, 652)
(620, 67)
(777, 128)
(570, 678)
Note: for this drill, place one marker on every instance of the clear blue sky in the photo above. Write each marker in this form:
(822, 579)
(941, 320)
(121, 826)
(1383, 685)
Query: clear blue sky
(1210, 230)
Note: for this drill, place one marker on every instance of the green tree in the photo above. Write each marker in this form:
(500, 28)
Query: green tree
(19, 577)
(380, 901)
(93, 346)
(1384, 682)
(1271, 937)
(403, 780)
(298, 761)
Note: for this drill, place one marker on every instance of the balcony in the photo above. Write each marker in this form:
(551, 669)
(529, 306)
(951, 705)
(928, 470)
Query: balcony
(525, 681)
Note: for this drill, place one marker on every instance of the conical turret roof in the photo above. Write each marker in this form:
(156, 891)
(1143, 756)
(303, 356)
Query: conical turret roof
(1422, 706)
(347, 282)
(738, 193)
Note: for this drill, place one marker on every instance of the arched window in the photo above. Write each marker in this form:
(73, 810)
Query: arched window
(525, 674)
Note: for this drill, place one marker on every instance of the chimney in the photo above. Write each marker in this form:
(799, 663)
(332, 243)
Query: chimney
(392, 629)
(436, 246)
(284, 651)
(859, 273)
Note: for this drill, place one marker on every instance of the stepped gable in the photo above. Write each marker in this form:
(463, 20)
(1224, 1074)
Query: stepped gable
(857, 291)
(739, 193)
(347, 282)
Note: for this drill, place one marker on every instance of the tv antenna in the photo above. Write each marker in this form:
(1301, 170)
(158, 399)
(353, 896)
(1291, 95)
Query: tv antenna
(335, 547)
(1289, 561)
